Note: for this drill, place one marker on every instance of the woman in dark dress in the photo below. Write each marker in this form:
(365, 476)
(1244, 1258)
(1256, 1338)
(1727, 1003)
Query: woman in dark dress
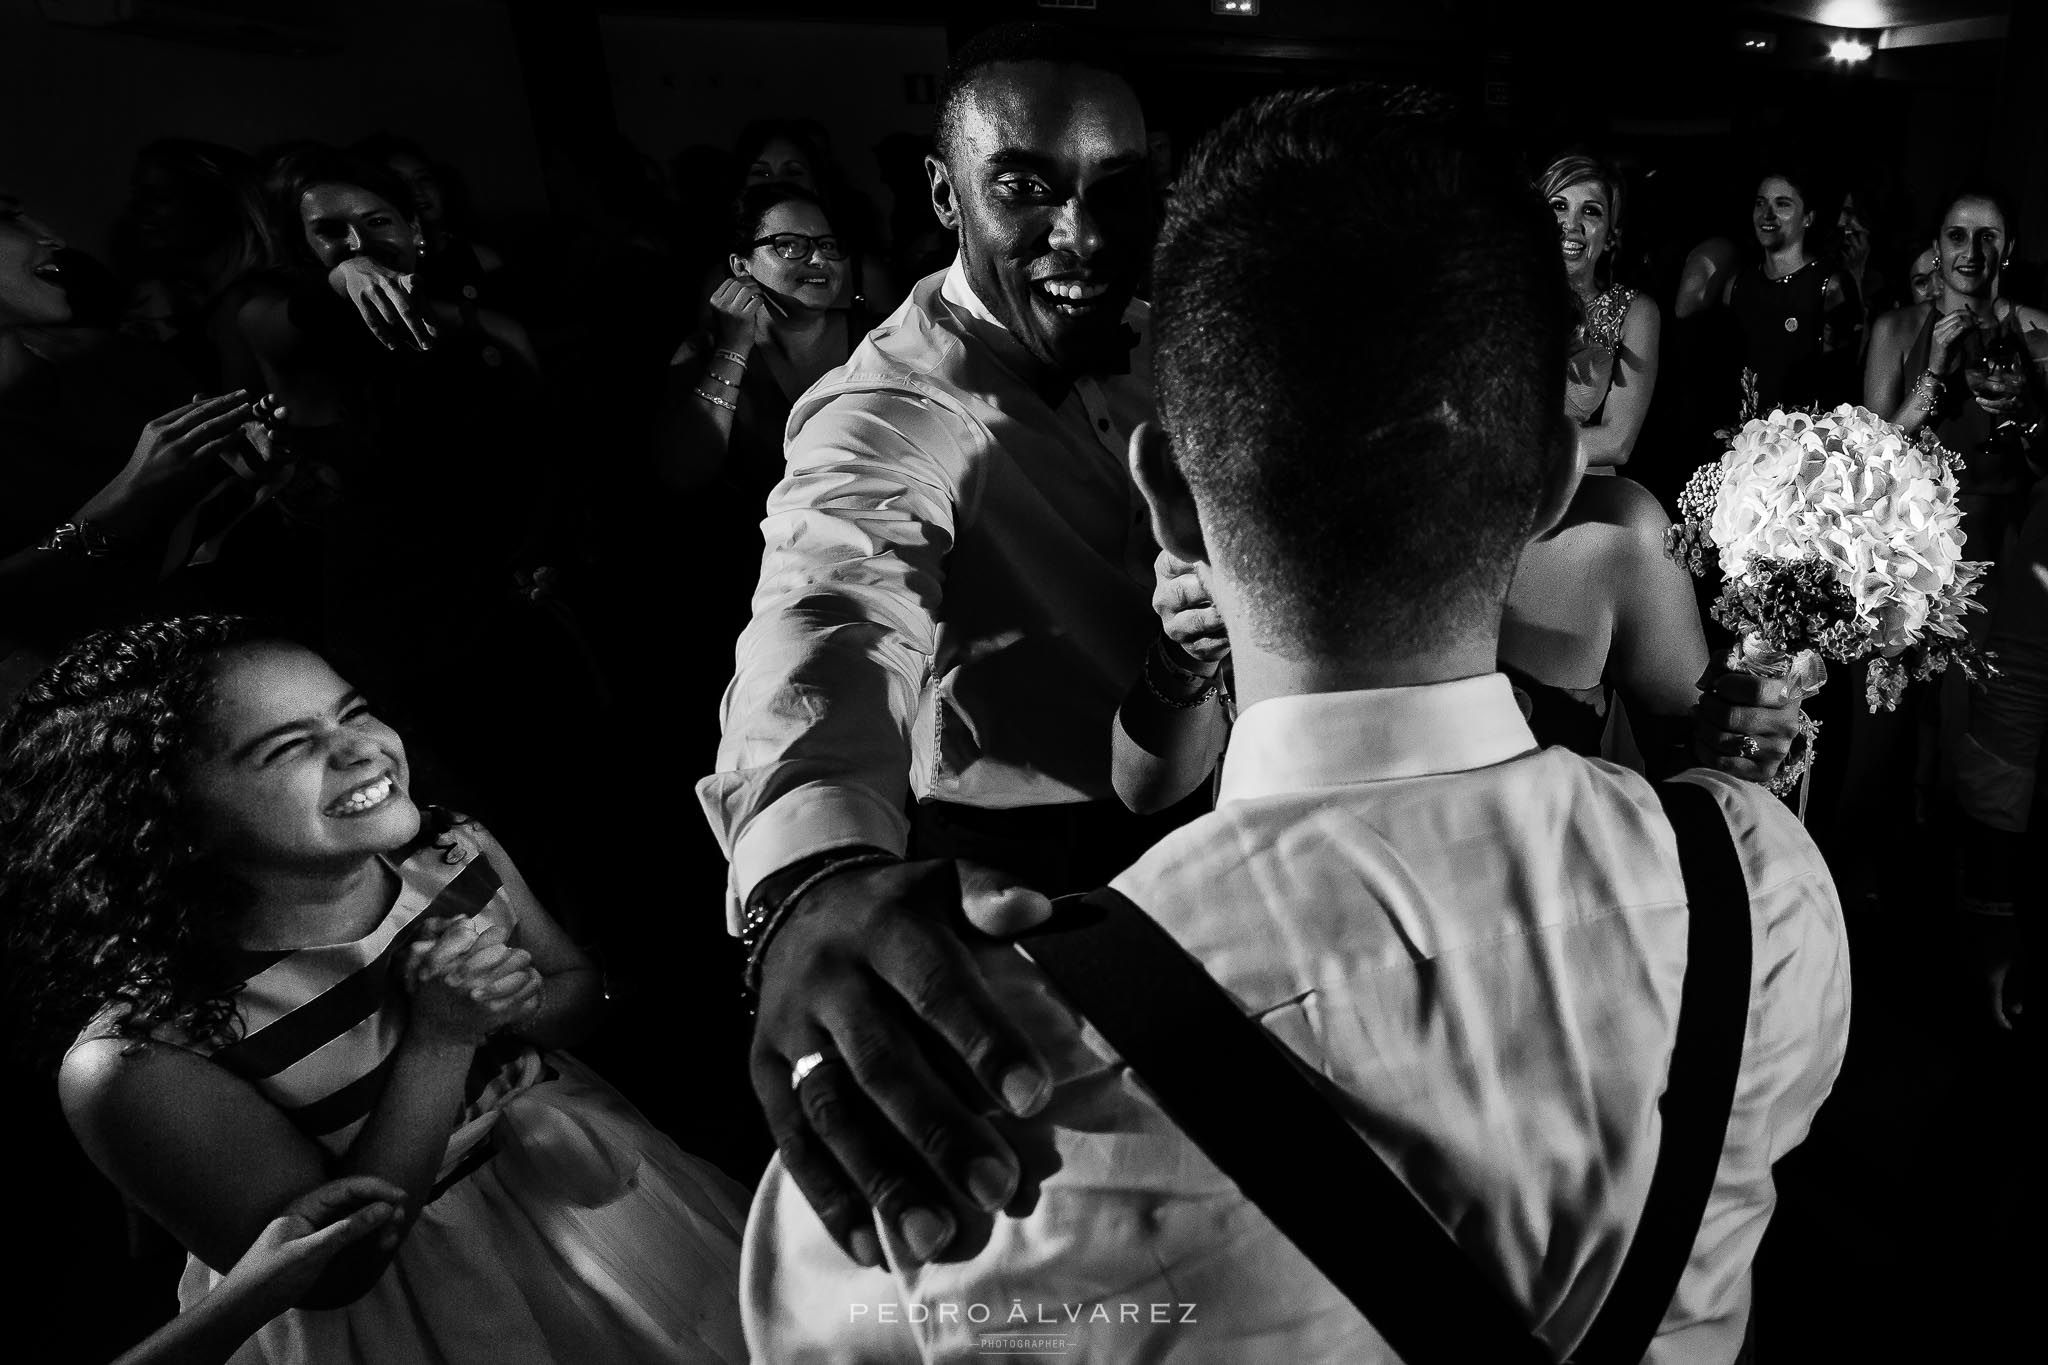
(1799, 313)
(776, 327)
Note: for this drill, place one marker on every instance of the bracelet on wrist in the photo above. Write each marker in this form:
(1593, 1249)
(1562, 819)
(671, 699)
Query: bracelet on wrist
(764, 918)
(1175, 698)
(734, 356)
(720, 380)
(81, 538)
(716, 401)
(1798, 760)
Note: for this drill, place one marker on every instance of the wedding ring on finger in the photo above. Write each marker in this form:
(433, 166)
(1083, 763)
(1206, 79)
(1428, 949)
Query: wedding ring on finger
(805, 1065)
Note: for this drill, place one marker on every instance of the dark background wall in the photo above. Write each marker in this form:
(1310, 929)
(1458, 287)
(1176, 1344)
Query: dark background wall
(1667, 85)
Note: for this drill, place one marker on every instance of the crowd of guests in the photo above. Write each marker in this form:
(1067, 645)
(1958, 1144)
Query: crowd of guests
(1337, 640)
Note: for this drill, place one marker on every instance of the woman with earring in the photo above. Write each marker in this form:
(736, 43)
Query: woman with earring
(1893, 333)
(1978, 370)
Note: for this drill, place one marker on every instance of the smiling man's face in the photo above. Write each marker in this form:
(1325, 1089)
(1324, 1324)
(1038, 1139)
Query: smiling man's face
(1046, 183)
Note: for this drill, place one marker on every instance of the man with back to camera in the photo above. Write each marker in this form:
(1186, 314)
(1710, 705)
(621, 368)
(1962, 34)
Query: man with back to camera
(953, 602)
(1481, 945)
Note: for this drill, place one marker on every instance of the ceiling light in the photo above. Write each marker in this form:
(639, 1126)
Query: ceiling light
(1848, 50)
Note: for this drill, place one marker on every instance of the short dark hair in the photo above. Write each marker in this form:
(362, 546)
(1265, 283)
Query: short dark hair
(1369, 473)
(754, 204)
(1020, 41)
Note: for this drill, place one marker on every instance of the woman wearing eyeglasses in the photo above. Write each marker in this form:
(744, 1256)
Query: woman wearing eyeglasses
(773, 331)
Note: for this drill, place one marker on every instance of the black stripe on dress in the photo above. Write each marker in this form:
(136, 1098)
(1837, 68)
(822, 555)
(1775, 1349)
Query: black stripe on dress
(334, 1112)
(319, 1021)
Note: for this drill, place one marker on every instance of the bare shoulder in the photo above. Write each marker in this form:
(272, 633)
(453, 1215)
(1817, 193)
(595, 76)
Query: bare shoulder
(111, 1079)
(1624, 506)
(1892, 325)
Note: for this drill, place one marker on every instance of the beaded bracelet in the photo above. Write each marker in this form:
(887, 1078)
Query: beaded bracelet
(1212, 687)
(1797, 762)
(734, 356)
(713, 398)
(762, 921)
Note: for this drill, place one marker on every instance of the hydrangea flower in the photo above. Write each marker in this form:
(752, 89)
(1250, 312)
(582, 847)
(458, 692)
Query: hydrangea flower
(1840, 536)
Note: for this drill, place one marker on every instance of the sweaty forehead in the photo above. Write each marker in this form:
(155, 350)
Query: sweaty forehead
(1976, 213)
(1054, 111)
(340, 201)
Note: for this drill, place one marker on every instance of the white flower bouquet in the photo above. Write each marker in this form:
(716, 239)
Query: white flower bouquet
(1838, 537)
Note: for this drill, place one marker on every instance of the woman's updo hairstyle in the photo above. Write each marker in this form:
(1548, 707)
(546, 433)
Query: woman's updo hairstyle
(1578, 168)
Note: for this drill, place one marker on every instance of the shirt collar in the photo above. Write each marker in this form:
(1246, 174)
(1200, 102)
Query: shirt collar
(958, 290)
(1329, 739)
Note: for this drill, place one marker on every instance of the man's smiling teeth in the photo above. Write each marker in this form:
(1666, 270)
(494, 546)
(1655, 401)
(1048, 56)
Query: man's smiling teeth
(1074, 291)
(366, 797)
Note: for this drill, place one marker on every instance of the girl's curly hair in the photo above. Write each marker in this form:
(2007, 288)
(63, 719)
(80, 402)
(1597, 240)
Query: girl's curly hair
(105, 891)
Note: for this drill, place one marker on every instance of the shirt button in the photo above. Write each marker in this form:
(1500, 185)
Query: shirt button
(469, 291)
(1102, 424)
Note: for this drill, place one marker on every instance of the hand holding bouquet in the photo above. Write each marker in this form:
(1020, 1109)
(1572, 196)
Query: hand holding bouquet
(1838, 538)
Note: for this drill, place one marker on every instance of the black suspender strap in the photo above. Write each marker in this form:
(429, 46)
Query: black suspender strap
(1706, 1058)
(1240, 1097)
(1324, 1187)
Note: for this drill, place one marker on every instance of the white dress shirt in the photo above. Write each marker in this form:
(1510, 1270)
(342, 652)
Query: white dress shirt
(954, 598)
(1481, 945)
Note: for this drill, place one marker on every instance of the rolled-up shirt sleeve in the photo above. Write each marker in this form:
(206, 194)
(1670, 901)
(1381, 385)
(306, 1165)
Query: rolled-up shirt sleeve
(828, 675)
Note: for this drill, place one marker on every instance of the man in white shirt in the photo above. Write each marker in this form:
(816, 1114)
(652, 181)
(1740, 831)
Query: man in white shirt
(953, 601)
(1481, 945)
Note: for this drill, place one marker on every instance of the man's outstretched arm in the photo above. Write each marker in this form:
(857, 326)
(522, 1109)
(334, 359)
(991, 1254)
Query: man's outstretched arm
(861, 973)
